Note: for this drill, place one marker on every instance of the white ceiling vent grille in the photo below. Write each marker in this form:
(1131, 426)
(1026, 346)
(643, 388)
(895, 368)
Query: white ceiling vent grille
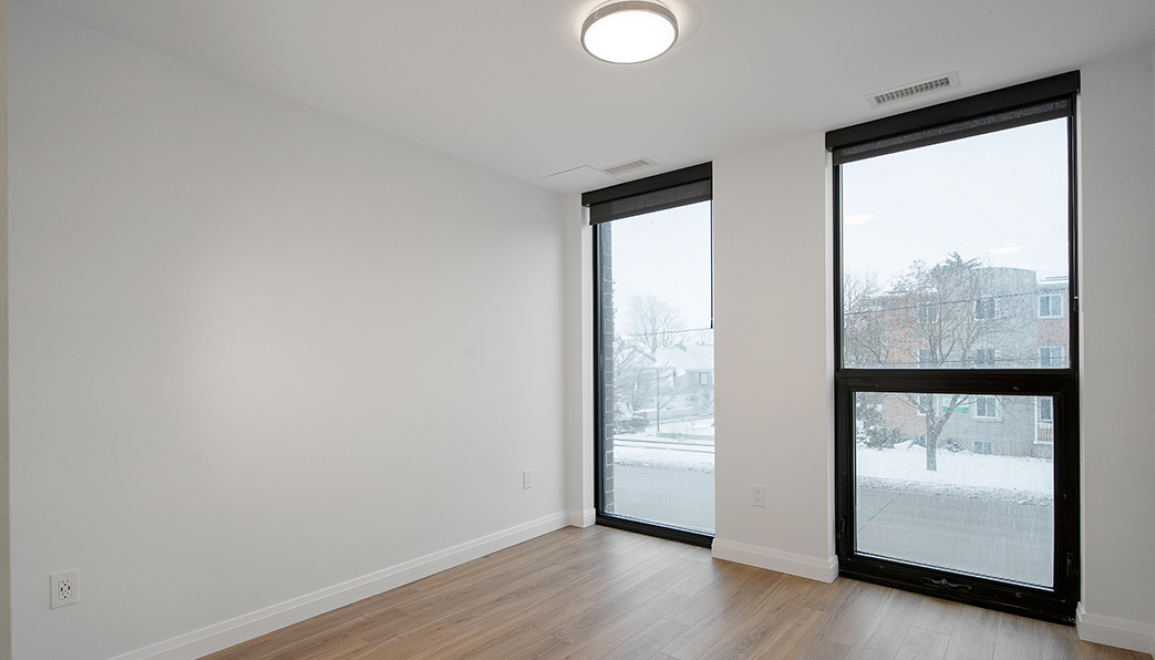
(629, 166)
(920, 88)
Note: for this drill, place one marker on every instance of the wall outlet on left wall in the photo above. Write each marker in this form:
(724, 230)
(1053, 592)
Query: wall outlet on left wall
(64, 588)
(527, 478)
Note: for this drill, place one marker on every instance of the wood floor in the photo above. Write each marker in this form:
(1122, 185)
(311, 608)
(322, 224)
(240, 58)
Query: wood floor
(599, 593)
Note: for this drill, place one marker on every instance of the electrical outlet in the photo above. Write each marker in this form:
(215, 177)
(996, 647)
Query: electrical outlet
(527, 479)
(64, 588)
(759, 495)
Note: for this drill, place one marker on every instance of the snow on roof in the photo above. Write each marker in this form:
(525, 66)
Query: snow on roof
(688, 358)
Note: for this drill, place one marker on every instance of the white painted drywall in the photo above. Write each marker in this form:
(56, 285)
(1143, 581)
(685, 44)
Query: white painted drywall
(774, 393)
(579, 364)
(5, 537)
(256, 350)
(1118, 245)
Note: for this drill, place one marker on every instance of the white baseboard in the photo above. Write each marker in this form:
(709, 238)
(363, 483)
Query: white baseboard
(1120, 633)
(229, 633)
(775, 560)
(582, 519)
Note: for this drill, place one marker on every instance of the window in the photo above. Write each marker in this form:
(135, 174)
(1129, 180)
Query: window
(926, 403)
(986, 407)
(1046, 410)
(927, 313)
(1045, 428)
(655, 353)
(984, 357)
(1050, 356)
(928, 301)
(986, 308)
(1050, 306)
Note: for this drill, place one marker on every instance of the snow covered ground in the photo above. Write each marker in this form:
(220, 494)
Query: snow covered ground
(961, 474)
(666, 459)
(900, 468)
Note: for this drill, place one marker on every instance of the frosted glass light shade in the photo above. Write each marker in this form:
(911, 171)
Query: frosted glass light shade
(629, 31)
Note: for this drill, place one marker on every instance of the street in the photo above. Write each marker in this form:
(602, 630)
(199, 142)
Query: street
(990, 537)
(995, 538)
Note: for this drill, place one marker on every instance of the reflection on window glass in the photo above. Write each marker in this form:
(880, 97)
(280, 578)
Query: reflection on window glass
(956, 251)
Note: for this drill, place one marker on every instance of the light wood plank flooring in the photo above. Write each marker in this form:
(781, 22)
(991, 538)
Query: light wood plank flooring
(599, 593)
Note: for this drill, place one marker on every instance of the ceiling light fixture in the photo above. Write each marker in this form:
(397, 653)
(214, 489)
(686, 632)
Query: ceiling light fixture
(629, 31)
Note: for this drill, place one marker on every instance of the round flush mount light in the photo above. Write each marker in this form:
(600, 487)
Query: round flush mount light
(629, 31)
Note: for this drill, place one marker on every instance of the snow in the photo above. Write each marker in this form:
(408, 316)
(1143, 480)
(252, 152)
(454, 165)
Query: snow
(900, 468)
(961, 474)
(666, 459)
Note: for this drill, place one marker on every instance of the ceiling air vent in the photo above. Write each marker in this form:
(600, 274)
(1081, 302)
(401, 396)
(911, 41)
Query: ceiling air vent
(628, 166)
(920, 88)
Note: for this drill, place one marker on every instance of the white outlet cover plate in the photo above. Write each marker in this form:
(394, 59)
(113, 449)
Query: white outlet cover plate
(64, 588)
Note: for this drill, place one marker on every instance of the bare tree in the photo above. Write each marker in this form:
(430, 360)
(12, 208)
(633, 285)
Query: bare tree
(863, 322)
(945, 316)
(632, 384)
(640, 375)
(654, 322)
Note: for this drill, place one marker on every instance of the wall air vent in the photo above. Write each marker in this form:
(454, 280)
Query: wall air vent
(920, 88)
(629, 166)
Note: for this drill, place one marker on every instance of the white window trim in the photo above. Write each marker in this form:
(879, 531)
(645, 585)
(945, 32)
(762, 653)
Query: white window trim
(987, 418)
(1039, 421)
(994, 303)
(1062, 306)
(1051, 358)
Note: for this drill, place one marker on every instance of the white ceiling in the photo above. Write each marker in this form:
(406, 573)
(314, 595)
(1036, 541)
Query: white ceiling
(505, 83)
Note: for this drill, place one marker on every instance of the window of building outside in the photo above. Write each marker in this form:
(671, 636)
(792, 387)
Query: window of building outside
(654, 443)
(986, 308)
(955, 389)
(1051, 306)
(986, 407)
(1050, 356)
(1046, 413)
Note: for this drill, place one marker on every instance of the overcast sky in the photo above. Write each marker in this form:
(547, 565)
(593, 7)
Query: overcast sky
(999, 197)
(666, 254)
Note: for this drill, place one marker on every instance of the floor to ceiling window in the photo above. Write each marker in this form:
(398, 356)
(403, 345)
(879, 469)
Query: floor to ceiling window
(655, 355)
(956, 383)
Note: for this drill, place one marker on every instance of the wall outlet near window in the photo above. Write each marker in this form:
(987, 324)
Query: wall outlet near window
(759, 495)
(527, 478)
(64, 588)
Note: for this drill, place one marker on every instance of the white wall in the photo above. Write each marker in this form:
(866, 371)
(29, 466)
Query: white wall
(256, 351)
(774, 392)
(5, 563)
(579, 365)
(1118, 438)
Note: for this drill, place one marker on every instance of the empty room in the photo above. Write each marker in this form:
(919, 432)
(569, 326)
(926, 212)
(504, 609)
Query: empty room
(368, 329)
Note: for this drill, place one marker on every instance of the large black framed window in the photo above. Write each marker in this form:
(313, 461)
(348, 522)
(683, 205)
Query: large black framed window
(654, 364)
(956, 352)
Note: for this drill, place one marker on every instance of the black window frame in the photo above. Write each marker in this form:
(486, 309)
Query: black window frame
(681, 187)
(1014, 106)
